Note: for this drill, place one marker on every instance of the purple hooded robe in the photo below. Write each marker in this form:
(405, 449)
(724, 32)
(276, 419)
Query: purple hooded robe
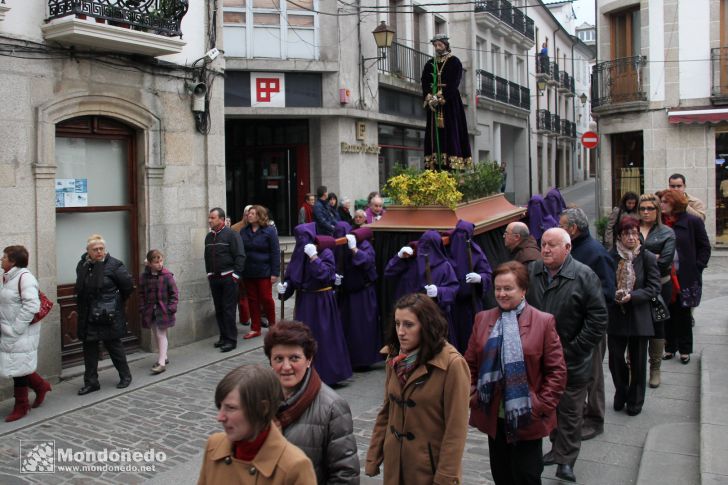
(539, 219)
(316, 306)
(466, 305)
(555, 203)
(411, 272)
(358, 299)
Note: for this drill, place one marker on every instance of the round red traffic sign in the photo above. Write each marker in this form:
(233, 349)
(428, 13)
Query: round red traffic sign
(590, 139)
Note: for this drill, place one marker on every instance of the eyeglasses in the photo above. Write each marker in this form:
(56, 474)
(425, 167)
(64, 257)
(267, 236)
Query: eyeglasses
(648, 209)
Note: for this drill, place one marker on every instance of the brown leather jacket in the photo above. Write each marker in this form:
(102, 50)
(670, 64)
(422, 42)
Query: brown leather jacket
(526, 251)
(545, 371)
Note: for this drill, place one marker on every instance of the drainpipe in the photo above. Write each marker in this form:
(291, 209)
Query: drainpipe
(597, 152)
(573, 111)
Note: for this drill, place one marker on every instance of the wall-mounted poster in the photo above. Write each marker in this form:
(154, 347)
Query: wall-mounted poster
(71, 192)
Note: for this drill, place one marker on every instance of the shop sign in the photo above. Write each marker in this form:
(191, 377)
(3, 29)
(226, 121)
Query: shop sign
(267, 90)
(361, 148)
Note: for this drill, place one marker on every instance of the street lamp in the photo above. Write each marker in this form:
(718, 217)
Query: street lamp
(583, 99)
(541, 86)
(383, 37)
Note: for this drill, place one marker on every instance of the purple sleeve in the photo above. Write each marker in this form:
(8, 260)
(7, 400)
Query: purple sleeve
(395, 267)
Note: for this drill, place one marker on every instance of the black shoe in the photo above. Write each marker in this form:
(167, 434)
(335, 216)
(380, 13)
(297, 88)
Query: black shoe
(88, 388)
(227, 347)
(566, 472)
(124, 383)
(264, 322)
(619, 402)
(589, 432)
(219, 344)
(548, 459)
(633, 410)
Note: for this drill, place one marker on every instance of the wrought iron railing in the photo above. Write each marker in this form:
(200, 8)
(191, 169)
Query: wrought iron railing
(555, 71)
(719, 69)
(568, 128)
(162, 17)
(555, 123)
(564, 79)
(543, 120)
(618, 81)
(403, 62)
(505, 11)
(499, 89)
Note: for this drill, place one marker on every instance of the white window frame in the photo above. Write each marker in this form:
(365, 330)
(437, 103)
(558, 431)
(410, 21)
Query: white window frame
(282, 27)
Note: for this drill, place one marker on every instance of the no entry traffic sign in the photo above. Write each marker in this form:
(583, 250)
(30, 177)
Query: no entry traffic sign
(590, 140)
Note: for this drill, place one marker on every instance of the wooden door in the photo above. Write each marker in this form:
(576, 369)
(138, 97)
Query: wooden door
(623, 71)
(95, 194)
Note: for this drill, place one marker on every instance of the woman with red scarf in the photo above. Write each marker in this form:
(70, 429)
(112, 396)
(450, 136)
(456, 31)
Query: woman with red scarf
(420, 432)
(312, 416)
(692, 252)
(252, 449)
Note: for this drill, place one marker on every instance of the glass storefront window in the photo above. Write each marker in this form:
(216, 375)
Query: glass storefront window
(721, 192)
(399, 146)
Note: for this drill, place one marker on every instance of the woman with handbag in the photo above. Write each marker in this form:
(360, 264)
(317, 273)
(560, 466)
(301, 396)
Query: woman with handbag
(658, 239)
(103, 284)
(19, 302)
(630, 316)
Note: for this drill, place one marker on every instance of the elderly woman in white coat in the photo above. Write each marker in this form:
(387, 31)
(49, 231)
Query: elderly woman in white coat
(19, 302)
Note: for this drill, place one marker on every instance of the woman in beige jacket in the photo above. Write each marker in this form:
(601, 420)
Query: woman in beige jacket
(420, 431)
(252, 450)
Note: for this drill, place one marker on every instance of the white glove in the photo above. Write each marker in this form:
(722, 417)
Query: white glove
(405, 250)
(431, 290)
(473, 278)
(351, 241)
(282, 287)
(376, 218)
(337, 280)
(310, 250)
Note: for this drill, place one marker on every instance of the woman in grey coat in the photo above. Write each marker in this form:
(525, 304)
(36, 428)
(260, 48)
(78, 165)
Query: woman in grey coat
(312, 416)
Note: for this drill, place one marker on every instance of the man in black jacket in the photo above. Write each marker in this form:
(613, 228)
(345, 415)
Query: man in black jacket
(325, 220)
(571, 292)
(587, 250)
(224, 263)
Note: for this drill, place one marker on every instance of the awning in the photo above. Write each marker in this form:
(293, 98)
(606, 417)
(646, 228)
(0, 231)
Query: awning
(703, 115)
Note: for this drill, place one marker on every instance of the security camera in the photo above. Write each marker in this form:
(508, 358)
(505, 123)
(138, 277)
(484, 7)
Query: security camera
(199, 90)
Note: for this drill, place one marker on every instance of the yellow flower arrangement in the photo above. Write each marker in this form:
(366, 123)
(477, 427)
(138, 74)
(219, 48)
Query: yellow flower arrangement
(427, 188)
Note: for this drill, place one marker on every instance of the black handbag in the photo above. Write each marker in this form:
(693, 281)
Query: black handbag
(659, 310)
(103, 309)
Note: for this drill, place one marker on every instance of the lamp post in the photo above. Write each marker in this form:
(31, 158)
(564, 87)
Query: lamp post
(383, 37)
(583, 99)
(541, 86)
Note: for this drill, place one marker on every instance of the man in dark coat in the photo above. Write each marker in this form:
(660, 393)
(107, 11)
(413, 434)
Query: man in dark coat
(571, 292)
(474, 276)
(590, 252)
(224, 264)
(522, 246)
(322, 215)
(103, 284)
(446, 132)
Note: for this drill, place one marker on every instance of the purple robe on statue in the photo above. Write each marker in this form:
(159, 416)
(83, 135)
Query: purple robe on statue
(358, 300)
(453, 138)
(316, 306)
(539, 219)
(466, 305)
(411, 272)
(555, 203)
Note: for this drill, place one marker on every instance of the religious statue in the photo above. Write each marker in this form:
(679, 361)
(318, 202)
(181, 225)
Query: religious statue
(447, 145)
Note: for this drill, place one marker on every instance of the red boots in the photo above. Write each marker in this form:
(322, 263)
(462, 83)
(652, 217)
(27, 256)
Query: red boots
(21, 405)
(40, 386)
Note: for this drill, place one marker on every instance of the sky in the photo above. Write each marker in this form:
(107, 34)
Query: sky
(584, 10)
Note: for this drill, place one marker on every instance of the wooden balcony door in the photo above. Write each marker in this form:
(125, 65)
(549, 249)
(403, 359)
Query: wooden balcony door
(95, 194)
(625, 43)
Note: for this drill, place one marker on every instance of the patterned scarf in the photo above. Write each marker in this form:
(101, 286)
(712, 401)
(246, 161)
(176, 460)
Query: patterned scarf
(403, 366)
(289, 412)
(503, 366)
(625, 270)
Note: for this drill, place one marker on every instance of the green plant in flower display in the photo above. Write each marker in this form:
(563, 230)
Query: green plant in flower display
(484, 179)
(427, 188)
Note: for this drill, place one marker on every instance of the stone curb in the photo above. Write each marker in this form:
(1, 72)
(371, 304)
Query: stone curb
(714, 415)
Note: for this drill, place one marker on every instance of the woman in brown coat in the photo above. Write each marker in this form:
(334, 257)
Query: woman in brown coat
(518, 374)
(252, 450)
(420, 431)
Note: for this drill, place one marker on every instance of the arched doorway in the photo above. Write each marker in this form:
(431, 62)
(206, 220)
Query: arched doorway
(96, 193)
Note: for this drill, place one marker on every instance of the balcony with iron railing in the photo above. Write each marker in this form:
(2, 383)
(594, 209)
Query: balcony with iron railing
(719, 74)
(496, 88)
(403, 62)
(566, 84)
(568, 129)
(543, 67)
(148, 27)
(543, 121)
(618, 85)
(555, 123)
(513, 17)
(554, 74)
